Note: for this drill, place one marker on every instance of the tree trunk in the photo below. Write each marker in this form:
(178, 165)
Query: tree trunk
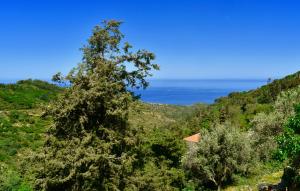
(219, 187)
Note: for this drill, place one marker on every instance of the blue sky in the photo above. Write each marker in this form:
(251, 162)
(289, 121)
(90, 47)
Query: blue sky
(192, 39)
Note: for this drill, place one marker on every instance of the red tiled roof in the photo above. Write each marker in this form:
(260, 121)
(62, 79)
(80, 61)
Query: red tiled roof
(194, 138)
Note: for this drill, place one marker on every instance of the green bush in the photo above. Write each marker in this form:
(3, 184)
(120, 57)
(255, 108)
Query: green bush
(289, 141)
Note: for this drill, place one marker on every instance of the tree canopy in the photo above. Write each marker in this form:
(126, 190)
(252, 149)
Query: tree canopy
(88, 145)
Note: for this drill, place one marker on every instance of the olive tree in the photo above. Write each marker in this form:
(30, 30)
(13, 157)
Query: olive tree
(222, 152)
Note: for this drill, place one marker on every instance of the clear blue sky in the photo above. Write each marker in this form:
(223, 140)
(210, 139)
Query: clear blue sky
(191, 38)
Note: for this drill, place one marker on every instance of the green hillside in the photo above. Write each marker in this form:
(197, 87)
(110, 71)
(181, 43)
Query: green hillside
(21, 125)
(27, 94)
(159, 128)
(241, 107)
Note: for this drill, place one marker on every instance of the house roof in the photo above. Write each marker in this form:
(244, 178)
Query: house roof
(194, 138)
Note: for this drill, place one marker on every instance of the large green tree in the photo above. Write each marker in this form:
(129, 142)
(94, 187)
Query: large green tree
(89, 145)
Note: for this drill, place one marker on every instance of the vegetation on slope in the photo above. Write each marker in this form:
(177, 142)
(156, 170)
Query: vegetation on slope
(159, 129)
(100, 138)
(21, 125)
(26, 94)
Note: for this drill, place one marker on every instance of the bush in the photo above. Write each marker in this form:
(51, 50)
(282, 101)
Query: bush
(289, 141)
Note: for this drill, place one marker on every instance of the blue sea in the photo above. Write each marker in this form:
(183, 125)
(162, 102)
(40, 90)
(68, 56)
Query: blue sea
(188, 92)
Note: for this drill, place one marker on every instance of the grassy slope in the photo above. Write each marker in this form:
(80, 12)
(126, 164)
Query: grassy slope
(271, 178)
(266, 174)
(157, 115)
(26, 94)
(21, 126)
(20, 123)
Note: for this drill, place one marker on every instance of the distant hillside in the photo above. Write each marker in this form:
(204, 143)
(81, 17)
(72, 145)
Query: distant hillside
(240, 107)
(269, 92)
(265, 94)
(27, 94)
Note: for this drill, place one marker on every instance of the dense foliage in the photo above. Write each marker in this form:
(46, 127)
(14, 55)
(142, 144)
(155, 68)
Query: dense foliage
(96, 135)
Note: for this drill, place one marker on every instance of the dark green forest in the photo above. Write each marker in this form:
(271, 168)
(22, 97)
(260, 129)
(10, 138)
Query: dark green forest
(95, 134)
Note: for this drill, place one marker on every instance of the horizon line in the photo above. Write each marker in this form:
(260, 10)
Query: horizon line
(151, 78)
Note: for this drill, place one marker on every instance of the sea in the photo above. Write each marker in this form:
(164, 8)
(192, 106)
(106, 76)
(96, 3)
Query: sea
(189, 92)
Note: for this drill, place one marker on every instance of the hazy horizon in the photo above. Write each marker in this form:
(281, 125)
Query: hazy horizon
(163, 79)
